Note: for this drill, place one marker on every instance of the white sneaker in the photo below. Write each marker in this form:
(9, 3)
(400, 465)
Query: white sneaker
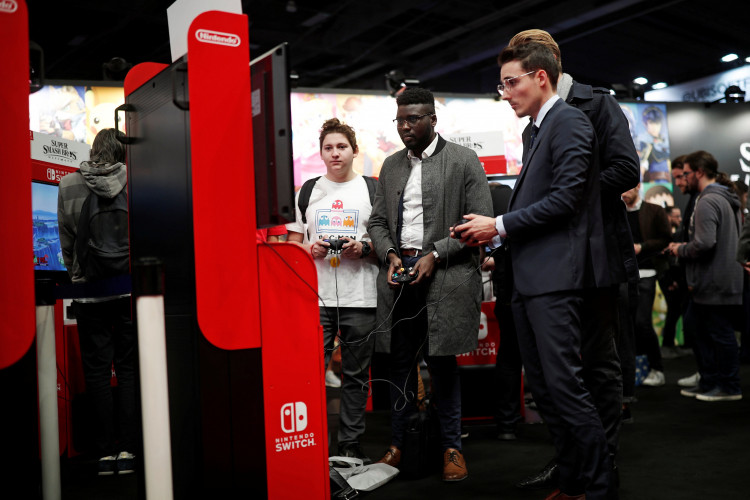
(332, 380)
(690, 381)
(655, 378)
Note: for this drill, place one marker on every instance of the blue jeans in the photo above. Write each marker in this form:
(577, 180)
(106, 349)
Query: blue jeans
(715, 346)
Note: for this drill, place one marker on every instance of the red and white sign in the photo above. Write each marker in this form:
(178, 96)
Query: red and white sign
(489, 147)
(489, 340)
(53, 157)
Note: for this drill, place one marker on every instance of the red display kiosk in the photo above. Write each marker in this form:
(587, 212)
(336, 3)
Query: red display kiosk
(246, 397)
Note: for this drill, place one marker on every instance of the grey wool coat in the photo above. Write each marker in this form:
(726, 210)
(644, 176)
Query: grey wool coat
(453, 184)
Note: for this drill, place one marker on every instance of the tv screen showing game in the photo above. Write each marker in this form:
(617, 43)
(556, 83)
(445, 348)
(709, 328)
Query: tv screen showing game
(47, 249)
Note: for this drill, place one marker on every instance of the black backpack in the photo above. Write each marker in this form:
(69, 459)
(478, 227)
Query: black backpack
(102, 244)
(306, 190)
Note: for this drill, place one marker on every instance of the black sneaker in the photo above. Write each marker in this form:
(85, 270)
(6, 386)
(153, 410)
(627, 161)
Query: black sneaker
(354, 450)
(107, 466)
(125, 463)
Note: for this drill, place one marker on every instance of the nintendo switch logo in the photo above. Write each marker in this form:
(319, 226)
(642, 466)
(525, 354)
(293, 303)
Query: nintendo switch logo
(294, 417)
(8, 6)
(218, 38)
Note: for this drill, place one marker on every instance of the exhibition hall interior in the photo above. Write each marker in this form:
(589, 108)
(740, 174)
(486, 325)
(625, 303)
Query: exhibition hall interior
(249, 280)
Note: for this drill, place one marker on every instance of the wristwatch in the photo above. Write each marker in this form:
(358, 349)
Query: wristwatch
(436, 255)
(365, 250)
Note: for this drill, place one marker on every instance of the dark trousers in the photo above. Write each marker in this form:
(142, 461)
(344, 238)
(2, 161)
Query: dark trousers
(107, 336)
(715, 346)
(549, 335)
(507, 371)
(627, 304)
(356, 325)
(676, 300)
(646, 340)
(602, 374)
(409, 339)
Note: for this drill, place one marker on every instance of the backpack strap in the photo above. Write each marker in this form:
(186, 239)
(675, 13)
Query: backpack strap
(372, 186)
(82, 231)
(304, 196)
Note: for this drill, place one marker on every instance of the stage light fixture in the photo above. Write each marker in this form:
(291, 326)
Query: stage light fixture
(660, 85)
(640, 80)
(396, 82)
(729, 57)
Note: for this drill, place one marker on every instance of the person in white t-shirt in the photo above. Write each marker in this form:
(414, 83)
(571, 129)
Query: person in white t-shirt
(339, 208)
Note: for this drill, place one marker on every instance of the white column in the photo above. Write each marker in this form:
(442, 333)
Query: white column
(47, 380)
(152, 353)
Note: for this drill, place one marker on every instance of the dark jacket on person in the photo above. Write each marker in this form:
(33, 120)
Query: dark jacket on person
(713, 274)
(619, 172)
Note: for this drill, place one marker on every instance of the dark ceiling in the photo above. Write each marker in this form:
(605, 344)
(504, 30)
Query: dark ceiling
(450, 46)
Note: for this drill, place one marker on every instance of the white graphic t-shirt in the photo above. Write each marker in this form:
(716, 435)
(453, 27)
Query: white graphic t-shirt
(338, 210)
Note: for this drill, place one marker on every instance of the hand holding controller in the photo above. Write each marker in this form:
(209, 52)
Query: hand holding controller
(402, 275)
(336, 244)
(455, 231)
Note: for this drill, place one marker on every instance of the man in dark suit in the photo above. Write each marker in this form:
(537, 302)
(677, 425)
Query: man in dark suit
(558, 250)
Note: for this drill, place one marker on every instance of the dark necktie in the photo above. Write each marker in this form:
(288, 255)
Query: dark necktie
(534, 132)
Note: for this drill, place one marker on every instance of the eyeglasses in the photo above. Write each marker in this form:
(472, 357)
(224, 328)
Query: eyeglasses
(509, 83)
(685, 173)
(411, 119)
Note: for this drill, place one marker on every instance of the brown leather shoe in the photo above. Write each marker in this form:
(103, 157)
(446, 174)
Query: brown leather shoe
(454, 466)
(392, 457)
(559, 495)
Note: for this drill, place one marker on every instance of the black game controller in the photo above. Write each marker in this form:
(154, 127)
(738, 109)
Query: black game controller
(458, 233)
(402, 275)
(336, 244)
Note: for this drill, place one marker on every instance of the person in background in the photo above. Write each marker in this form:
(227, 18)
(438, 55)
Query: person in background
(106, 331)
(339, 208)
(650, 229)
(422, 191)
(714, 277)
(674, 288)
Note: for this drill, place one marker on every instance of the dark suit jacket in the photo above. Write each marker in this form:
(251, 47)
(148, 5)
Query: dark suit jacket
(554, 223)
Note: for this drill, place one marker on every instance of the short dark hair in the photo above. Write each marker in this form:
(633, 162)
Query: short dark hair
(533, 57)
(106, 149)
(416, 95)
(334, 126)
(740, 186)
(678, 162)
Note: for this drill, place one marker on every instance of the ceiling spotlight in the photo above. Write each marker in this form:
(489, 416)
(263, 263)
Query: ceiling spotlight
(291, 7)
(747, 59)
(660, 85)
(734, 94)
(640, 80)
(396, 82)
(730, 58)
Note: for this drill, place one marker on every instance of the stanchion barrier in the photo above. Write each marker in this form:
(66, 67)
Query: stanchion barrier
(47, 383)
(152, 354)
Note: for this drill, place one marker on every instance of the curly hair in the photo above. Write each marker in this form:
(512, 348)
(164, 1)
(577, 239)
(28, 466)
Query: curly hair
(334, 126)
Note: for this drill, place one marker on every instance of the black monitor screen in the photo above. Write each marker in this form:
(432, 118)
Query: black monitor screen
(272, 138)
(47, 250)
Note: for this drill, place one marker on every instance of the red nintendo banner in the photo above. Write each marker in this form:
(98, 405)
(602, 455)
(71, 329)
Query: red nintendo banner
(489, 340)
(47, 172)
(17, 285)
(221, 148)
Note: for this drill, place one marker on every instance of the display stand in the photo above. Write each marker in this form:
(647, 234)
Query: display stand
(226, 302)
